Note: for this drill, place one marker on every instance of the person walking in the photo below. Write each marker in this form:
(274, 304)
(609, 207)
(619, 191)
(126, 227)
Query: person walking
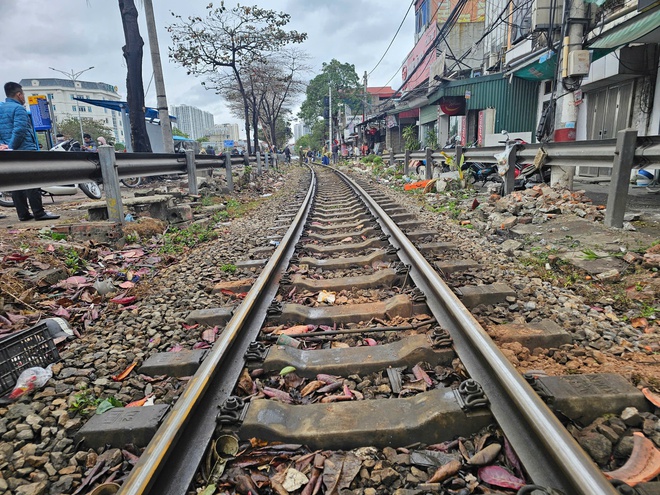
(17, 133)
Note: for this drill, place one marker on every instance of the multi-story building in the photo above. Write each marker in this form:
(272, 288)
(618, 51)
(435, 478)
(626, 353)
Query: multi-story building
(61, 94)
(223, 132)
(192, 120)
(300, 130)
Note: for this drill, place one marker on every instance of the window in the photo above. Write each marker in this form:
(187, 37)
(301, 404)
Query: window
(89, 109)
(50, 96)
(422, 17)
(54, 108)
(82, 109)
(74, 108)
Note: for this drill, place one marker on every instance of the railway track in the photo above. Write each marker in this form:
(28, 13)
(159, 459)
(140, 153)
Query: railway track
(350, 339)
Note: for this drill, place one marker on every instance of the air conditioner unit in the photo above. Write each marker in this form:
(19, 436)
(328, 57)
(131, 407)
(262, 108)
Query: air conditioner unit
(542, 14)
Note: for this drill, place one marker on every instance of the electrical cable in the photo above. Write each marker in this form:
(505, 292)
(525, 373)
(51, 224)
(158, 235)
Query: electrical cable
(395, 35)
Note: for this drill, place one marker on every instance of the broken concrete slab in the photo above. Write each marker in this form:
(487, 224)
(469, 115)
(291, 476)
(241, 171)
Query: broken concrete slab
(406, 352)
(473, 295)
(544, 334)
(594, 267)
(120, 426)
(583, 398)
(210, 316)
(182, 363)
(429, 417)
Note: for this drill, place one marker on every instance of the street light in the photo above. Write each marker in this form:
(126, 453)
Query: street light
(73, 76)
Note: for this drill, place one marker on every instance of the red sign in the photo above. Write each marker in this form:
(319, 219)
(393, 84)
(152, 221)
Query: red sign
(416, 59)
(452, 105)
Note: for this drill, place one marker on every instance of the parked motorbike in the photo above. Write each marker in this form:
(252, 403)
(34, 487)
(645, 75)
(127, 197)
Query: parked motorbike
(527, 175)
(91, 189)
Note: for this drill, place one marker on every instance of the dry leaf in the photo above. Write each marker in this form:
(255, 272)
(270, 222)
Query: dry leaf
(445, 471)
(652, 397)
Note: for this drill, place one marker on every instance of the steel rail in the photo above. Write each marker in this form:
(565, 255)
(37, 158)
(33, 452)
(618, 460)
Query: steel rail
(549, 453)
(173, 431)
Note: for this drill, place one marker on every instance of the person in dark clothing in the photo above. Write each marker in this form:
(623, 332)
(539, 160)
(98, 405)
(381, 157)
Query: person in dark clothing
(287, 154)
(17, 133)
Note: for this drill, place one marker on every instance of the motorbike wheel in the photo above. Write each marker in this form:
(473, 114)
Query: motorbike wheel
(6, 199)
(91, 189)
(420, 170)
(132, 181)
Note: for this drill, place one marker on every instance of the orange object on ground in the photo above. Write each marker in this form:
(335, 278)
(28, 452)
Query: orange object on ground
(416, 185)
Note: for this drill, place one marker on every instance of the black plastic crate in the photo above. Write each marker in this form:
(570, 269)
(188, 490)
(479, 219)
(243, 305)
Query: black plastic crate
(22, 350)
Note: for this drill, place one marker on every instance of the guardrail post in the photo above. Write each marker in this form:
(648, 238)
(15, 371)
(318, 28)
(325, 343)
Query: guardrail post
(406, 162)
(266, 162)
(392, 163)
(459, 156)
(230, 179)
(191, 167)
(510, 176)
(617, 197)
(110, 175)
(258, 163)
(429, 164)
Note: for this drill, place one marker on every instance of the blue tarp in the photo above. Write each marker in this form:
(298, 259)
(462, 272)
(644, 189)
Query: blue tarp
(118, 106)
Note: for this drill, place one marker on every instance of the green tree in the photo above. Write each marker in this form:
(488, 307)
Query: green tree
(345, 85)
(95, 128)
(230, 40)
(178, 132)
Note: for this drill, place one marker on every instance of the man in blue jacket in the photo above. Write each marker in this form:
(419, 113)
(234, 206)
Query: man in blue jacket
(17, 133)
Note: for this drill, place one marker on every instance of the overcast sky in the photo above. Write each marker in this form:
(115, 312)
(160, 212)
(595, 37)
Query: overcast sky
(76, 34)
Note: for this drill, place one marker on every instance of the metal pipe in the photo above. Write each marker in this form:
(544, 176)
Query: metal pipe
(518, 409)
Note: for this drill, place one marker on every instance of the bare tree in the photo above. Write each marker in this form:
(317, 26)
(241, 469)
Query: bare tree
(134, 84)
(271, 87)
(230, 39)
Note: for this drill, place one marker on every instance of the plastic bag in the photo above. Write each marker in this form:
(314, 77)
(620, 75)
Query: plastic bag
(502, 160)
(31, 379)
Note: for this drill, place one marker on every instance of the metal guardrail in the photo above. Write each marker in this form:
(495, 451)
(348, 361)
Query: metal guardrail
(620, 154)
(29, 169)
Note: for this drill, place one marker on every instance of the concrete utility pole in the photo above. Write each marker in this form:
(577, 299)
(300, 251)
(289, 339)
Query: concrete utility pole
(566, 112)
(330, 115)
(364, 106)
(161, 99)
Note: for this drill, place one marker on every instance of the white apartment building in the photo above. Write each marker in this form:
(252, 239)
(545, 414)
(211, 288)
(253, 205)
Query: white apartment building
(61, 94)
(192, 120)
(300, 130)
(222, 132)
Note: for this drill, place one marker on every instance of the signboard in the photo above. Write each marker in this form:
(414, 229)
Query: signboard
(229, 143)
(436, 71)
(40, 113)
(416, 65)
(452, 105)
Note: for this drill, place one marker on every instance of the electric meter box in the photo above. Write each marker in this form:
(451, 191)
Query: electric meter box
(578, 63)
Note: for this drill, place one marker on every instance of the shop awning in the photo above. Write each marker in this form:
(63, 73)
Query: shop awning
(638, 27)
(539, 69)
(118, 106)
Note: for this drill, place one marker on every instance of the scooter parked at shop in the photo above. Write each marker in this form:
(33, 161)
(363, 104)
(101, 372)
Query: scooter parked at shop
(91, 189)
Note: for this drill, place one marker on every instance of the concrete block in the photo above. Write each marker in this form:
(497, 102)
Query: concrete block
(243, 285)
(210, 316)
(543, 334)
(473, 295)
(382, 278)
(429, 417)
(179, 214)
(121, 426)
(449, 267)
(247, 264)
(583, 398)
(406, 352)
(182, 363)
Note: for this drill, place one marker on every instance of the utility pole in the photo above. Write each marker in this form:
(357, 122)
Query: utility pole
(566, 111)
(330, 115)
(73, 76)
(364, 106)
(161, 99)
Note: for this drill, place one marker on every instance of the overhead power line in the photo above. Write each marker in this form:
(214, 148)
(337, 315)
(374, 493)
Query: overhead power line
(395, 35)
